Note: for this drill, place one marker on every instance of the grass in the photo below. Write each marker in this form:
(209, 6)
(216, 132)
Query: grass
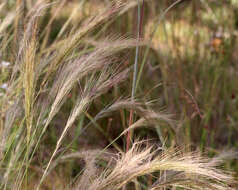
(118, 95)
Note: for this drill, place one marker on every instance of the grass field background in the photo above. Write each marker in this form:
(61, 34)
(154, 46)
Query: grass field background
(109, 95)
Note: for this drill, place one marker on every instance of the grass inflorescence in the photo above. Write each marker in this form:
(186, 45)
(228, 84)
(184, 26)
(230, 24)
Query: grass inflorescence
(110, 95)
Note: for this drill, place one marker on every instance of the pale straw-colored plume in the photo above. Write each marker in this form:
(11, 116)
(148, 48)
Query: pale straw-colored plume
(187, 170)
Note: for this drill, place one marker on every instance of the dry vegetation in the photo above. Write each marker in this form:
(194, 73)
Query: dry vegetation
(110, 95)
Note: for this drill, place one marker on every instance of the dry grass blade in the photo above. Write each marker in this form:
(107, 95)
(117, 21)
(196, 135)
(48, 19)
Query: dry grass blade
(92, 90)
(73, 40)
(90, 171)
(27, 56)
(28, 84)
(75, 70)
(146, 113)
(141, 162)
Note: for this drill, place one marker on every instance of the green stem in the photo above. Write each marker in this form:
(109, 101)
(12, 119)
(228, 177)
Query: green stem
(133, 91)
